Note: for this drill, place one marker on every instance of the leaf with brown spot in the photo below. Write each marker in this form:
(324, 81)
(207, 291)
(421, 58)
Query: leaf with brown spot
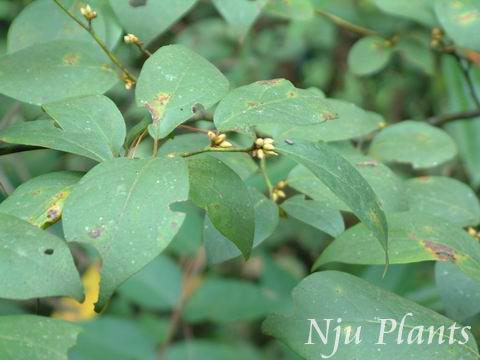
(269, 103)
(56, 70)
(40, 200)
(171, 85)
(42, 21)
(413, 237)
(440, 251)
(122, 208)
(34, 263)
(461, 21)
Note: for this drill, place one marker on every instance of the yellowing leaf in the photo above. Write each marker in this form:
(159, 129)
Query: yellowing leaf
(71, 309)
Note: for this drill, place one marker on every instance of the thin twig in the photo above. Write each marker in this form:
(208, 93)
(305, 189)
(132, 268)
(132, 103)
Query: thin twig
(268, 182)
(216, 149)
(191, 128)
(347, 25)
(191, 269)
(155, 148)
(5, 186)
(134, 146)
(100, 43)
(143, 49)
(444, 119)
(468, 78)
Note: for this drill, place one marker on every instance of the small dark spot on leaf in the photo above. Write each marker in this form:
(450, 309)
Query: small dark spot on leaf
(442, 252)
(198, 108)
(292, 94)
(48, 251)
(53, 214)
(137, 3)
(95, 232)
(252, 104)
(327, 115)
(71, 59)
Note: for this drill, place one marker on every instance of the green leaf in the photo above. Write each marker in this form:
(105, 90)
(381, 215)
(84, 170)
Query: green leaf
(444, 197)
(226, 199)
(56, 70)
(346, 121)
(35, 337)
(415, 143)
(172, 82)
(189, 238)
(220, 249)
(270, 102)
(359, 304)
(153, 18)
(90, 126)
(420, 10)
(292, 9)
(246, 301)
(413, 237)
(157, 286)
(369, 55)
(460, 294)
(386, 185)
(316, 214)
(109, 338)
(209, 350)
(418, 52)
(461, 21)
(240, 14)
(43, 21)
(343, 180)
(35, 263)
(40, 200)
(112, 210)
